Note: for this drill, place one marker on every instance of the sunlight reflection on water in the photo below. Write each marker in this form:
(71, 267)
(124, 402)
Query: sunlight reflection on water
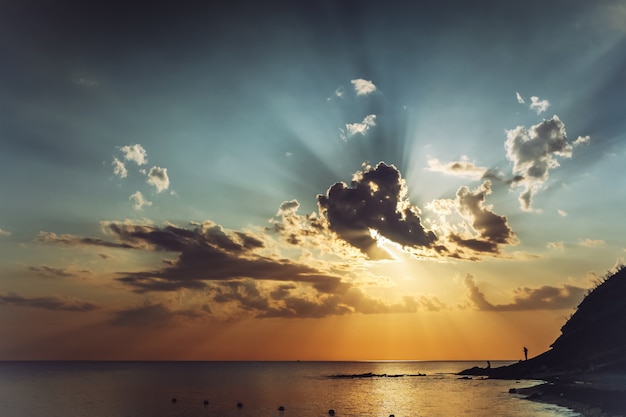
(304, 389)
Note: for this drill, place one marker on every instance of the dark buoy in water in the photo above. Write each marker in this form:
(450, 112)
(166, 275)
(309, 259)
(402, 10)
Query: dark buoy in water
(206, 402)
(331, 412)
(173, 400)
(239, 405)
(281, 408)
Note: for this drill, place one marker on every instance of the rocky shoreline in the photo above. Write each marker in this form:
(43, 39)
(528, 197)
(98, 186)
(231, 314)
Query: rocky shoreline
(588, 399)
(592, 394)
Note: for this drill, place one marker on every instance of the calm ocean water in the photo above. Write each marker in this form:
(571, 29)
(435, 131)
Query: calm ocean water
(304, 389)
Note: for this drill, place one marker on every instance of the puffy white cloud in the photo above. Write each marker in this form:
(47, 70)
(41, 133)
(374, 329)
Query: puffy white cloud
(288, 208)
(4, 232)
(562, 213)
(363, 87)
(361, 128)
(135, 153)
(461, 168)
(119, 169)
(519, 97)
(533, 153)
(158, 177)
(139, 201)
(539, 105)
(582, 140)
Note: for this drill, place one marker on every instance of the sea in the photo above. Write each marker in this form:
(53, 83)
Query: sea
(259, 389)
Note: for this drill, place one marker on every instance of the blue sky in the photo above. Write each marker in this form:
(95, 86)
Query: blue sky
(500, 127)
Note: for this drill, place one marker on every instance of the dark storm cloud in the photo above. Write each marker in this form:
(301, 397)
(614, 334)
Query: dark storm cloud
(209, 253)
(376, 199)
(48, 302)
(543, 298)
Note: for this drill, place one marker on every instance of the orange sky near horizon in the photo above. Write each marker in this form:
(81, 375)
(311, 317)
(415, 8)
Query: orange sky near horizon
(457, 335)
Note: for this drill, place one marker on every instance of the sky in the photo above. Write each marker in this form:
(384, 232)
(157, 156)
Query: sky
(323, 180)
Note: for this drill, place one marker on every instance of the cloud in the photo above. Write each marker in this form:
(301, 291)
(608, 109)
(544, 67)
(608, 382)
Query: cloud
(52, 272)
(139, 201)
(582, 140)
(461, 168)
(135, 153)
(527, 299)
(119, 169)
(158, 177)
(591, 243)
(555, 245)
(519, 97)
(489, 229)
(360, 128)
(539, 105)
(533, 153)
(288, 208)
(340, 92)
(48, 302)
(363, 87)
(562, 213)
(72, 240)
(210, 253)
(4, 232)
(376, 199)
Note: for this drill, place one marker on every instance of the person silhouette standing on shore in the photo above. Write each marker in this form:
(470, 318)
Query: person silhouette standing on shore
(525, 353)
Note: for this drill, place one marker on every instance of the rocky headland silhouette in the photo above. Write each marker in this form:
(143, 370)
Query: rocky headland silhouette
(585, 367)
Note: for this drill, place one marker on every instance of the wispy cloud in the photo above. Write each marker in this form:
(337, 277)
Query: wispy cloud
(462, 168)
(555, 245)
(119, 169)
(562, 213)
(139, 201)
(4, 232)
(539, 105)
(520, 99)
(591, 243)
(48, 302)
(363, 87)
(52, 272)
(72, 240)
(358, 128)
(158, 177)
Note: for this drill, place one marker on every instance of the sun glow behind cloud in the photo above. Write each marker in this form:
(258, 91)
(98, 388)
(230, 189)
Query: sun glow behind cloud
(342, 182)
